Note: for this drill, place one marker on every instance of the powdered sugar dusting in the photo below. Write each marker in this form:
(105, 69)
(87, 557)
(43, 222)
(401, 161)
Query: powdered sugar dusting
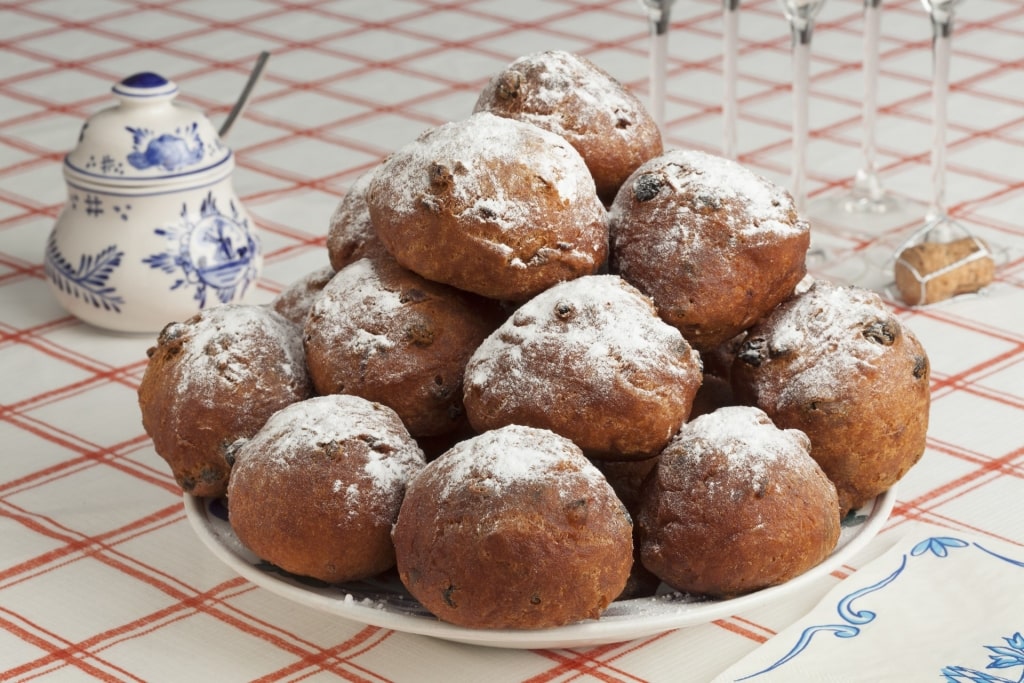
(351, 217)
(296, 299)
(290, 434)
(350, 232)
(589, 332)
(821, 334)
(502, 457)
(356, 312)
(477, 151)
(562, 78)
(229, 344)
(751, 445)
(703, 187)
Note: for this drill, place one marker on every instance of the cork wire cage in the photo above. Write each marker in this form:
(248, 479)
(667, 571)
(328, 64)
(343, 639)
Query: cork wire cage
(941, 261)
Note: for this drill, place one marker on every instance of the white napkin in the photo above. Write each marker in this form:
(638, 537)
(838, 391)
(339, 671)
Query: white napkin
(939, 606)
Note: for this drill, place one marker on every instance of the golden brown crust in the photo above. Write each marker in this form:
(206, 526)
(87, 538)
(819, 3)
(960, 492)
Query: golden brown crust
(350, 233)
(714, 393)
(295, 300)
(588, 359)
(715, 246)
(835, 363)
(627, 478)
(736, 505)
(513, 529)
(572, 97)
(718, 360)
(317, 489)
(490, 205)
(384, 333)
(214, 379)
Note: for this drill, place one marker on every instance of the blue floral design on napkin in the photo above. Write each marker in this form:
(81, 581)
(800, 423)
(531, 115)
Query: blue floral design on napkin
(1012, 655)
(1009, 657)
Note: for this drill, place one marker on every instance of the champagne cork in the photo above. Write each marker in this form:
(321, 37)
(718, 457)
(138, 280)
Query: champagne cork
(935, 271)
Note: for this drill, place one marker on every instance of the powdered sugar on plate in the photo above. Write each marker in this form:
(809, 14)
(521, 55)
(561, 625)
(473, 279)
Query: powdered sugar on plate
(383, 602)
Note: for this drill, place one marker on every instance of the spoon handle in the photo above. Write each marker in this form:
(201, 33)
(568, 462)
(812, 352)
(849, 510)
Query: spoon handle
(243, 99)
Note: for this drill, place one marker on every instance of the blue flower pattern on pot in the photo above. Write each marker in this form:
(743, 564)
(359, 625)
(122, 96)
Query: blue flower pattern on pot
(153, 166)
(169, 151)
(216, 252)
(88, 280)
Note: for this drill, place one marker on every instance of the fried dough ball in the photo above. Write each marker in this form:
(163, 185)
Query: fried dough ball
(514, 528)
(835, 363)
(569, 95)
(214, 379)
(490, 205)
(736, 505)
(714, 245)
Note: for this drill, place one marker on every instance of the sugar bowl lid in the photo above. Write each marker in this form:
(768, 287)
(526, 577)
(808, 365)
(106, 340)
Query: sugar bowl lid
(146, 139)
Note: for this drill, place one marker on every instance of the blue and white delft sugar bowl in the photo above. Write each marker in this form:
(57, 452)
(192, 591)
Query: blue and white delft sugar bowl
(152, 231)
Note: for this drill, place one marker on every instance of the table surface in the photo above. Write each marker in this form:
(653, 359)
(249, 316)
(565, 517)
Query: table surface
(101, 575)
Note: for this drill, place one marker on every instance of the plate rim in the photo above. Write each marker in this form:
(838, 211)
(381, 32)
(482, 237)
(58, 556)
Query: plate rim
(605, 630)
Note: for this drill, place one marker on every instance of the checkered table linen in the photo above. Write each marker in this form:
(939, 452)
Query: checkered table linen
(101, 575)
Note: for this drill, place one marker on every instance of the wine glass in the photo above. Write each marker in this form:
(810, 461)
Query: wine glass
(866, 208)
(867, 194)
(801, 15)
(730, 43)
(658, 17)
(938, 226)
(941, 14)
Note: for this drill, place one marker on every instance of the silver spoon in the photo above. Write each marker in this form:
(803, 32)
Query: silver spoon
(243, 98)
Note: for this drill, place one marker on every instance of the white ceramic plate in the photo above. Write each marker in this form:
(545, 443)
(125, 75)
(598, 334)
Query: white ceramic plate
(384, 602)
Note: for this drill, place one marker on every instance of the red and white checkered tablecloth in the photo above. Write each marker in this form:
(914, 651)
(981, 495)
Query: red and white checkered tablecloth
(101, 575)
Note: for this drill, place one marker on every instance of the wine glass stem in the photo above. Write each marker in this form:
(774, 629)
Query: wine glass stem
(730, 37)
(659, 56)
(942, 33)
(801, 79)
(866, 181)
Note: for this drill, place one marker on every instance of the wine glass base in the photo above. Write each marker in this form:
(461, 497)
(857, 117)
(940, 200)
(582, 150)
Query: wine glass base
(870, 268)
(864, 205)
(859, 216)
(845, 230)
(872, 264)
